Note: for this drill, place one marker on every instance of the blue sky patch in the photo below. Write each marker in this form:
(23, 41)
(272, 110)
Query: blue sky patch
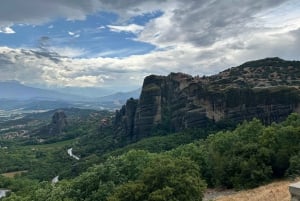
(91, 35)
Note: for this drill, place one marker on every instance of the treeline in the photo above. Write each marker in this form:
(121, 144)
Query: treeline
(250, 155)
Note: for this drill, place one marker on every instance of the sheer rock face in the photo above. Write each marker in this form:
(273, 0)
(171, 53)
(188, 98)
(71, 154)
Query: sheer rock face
(124, 120)
(179, 101)
(58, 123)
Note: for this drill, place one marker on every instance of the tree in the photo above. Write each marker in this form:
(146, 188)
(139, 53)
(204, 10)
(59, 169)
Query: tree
(165, 179)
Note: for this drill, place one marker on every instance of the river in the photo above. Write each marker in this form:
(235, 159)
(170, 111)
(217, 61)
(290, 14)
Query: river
(3, 192)
(70, 152)
(55, 180)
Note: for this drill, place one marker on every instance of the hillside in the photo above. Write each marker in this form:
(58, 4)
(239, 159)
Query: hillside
(265, 73)
(246, 157)
(267, 89)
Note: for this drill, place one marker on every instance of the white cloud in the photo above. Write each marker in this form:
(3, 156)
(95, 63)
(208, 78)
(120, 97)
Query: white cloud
(118, 52)
(71, 33)
(74, 34)
(101, 27)
(7, 30)
(69, 52)
(133, 28)
(128, 73)
(87, 81)
(33, 67)
(202, 23)
(195, 36)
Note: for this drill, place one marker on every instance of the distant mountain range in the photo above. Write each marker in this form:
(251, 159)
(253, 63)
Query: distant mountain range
(14, 95)
(89, 92)
(17, 91)
(121, 96)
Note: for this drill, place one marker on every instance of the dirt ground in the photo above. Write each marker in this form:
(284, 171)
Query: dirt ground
(13, 174)
(276, 191)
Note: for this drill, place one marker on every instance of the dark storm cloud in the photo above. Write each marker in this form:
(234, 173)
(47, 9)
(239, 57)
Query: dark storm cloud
(202, 23)
(199, 22)
(39, 11)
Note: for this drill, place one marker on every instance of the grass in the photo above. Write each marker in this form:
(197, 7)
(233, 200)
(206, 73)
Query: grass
(13, 174)
(276, 191)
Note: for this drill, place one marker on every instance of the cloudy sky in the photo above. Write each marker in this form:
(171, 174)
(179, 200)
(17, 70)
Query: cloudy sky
(114, 44)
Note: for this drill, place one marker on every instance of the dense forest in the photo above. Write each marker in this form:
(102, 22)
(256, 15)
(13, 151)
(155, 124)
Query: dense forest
(157, 168)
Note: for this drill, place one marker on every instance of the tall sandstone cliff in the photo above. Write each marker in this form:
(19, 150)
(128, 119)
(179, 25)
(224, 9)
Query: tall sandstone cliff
(267, 89)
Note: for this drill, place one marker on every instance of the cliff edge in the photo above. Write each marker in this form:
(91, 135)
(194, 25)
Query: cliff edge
(267, 89)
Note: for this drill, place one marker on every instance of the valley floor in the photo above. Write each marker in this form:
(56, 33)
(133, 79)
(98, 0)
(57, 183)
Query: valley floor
(276, 191)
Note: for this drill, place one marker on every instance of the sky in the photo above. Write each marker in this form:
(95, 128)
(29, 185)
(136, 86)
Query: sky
(114, 44)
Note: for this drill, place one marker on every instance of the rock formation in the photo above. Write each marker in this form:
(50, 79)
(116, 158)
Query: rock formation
(267, 89)
(58, 123)
(125, 118)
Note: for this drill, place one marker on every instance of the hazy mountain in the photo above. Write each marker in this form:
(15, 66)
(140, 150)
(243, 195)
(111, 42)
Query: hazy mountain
(27, 105)
(17, 91)
(90, 92)
(121, 96)
(14, 95)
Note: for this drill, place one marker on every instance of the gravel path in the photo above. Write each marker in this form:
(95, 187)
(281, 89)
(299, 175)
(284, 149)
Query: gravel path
(212, 194)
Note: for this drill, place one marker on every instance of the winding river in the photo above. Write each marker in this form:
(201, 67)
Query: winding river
(3, 192)
(56, 179)
(70, 152)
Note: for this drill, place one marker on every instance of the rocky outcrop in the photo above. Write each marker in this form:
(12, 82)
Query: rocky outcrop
(124, 120)
(58, 123)
(179, 101)
(295, 191)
